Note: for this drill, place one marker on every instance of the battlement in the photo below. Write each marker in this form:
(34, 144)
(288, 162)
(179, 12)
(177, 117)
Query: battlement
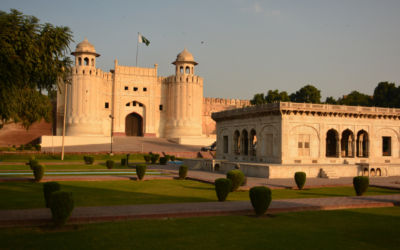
(86, 70)
(138, 71)
(223, 101)
(173, 78)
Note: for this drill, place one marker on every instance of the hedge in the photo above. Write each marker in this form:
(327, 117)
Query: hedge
(172, 157)
(183, 169)
(260, 198)
(222, 188)
(300, 179)
(123, 162)
(163, 161)
(61, 206)
(361, 184)
(38, 172)
(48, 189)
(141, 170)
(236, 178)
(110, 164)
(91, 159)
(147, 158)
(33, 162)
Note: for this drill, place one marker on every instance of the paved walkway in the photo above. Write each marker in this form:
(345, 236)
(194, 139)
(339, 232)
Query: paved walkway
(37, 217)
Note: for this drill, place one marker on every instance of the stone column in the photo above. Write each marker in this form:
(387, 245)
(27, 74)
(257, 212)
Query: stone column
(350, 146)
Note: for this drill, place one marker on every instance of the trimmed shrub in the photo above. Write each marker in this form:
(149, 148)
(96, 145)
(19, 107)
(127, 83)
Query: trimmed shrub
(172, 157)
(110, 164)
(141, 170)
(153, 159)
(183, 169)
(38, 172)
(91, 159)
(31, 157)
(361, 184)
(86, 159)
(300, 179)
(168, 157)
(123, 162)
(32, 163)
(163, 161)
(13, 146)
(38, 147)
(222, 187)
(179, 158)
(29, 146)
(61, 206)
(157, 156)
(236, 178)
(11, 149)
(48, 188)
(22, 147)
(147, 158)
(260, 198)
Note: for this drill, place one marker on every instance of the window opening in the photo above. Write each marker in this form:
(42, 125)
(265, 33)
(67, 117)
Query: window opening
(126, 88)
(226, 144)
(144, 89)
(140, 105)
(128, 104)
(187, 70)
(134, 103)
(79, 61)
(135, 89)
(303, 145)
(181, 70)
(161, 107)
(86, 63)
(92, 62)
(106, 105)
(386, 146)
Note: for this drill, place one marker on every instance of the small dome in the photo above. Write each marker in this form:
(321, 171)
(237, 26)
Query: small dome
(185, 56)
(85, 46)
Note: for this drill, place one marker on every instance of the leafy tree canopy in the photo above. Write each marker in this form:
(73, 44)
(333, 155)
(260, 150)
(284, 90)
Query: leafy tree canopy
(331, 100)
(276, 96)
(386, 95)
(32, 59)
(307, 94)
(356, 98)
(258, 99)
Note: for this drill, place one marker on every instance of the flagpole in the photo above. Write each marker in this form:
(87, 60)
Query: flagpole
(137, 50)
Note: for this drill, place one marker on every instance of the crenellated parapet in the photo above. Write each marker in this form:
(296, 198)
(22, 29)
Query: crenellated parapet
(227, 102)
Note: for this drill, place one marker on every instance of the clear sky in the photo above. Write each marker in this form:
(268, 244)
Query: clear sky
(242, 47)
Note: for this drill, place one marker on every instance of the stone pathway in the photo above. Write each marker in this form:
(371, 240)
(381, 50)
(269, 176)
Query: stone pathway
(39, 217)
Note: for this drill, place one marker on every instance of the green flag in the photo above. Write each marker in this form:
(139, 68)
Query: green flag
(143, 39)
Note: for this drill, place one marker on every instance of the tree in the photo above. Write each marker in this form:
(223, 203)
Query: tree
(307, 94)
(356, 98)
(331, 100)
(258, 99)
(386, 95)
(276, 96)
(32, 59)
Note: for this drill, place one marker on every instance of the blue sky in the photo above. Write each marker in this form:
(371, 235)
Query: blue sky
(248, 46)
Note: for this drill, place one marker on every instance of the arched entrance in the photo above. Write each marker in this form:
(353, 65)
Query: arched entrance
(133, 125)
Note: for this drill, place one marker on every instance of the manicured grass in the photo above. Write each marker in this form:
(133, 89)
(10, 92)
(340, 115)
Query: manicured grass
(63, 167)
(71, 158)
(22, 195)
(368, 228)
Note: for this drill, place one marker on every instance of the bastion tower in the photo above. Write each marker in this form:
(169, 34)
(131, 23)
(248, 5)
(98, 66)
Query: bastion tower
(185, 99)
(83, 94)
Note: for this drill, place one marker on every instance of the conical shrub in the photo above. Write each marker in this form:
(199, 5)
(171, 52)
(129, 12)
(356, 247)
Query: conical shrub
(260, 198)
(110, 164)
(61, 205)
(222, 188)
(300, 179)
(361, 184)
(183, 169)
(141, 170)
(236, 178)
(38, 172)
(48, 189)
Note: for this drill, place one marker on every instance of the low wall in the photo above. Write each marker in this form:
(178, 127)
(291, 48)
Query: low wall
(194, 163)
(56, 141)
(194, 141)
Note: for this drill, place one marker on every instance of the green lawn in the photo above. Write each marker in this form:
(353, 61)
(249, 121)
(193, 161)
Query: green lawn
(22, 195)
(368, 228)
(70, 158)
(66, 166)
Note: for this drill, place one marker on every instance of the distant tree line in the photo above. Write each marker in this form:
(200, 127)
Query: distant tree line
(385, 95)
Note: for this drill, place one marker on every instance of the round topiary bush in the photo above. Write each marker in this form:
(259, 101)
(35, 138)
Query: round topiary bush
(172, 157)
(86, 158)
(147, 158)
(38, 172)
(168, 157)
(38, 147)
(61, 206)
(141, 170)
(157, 156)
(22, 147)
(153, 159)
(123, 162)
(183, 169)
(222, 187)
(91, 159)
(48, 189)
(33, 162)
(110, 164)
(260, 198)
(236, 178)
(163, 161)
(300, 179)
(361, 184)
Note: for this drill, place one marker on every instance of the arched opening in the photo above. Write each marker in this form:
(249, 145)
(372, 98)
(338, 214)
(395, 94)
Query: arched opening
(187, 79)
(79, 61)
(192, 71)
(92, 62)
(236, 143)
(253, 142)
(86, 63)
(245, 142)
(134, 125)
(365, 171)
(217, 168)
(378, 172)
(187, 70)
(372, 172)
(347, 143)
(362, 144)
(181, 69)
(332, 143)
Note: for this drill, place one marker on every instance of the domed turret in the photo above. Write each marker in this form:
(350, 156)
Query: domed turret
(184, 63)
(85, 54)
(85, 46)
